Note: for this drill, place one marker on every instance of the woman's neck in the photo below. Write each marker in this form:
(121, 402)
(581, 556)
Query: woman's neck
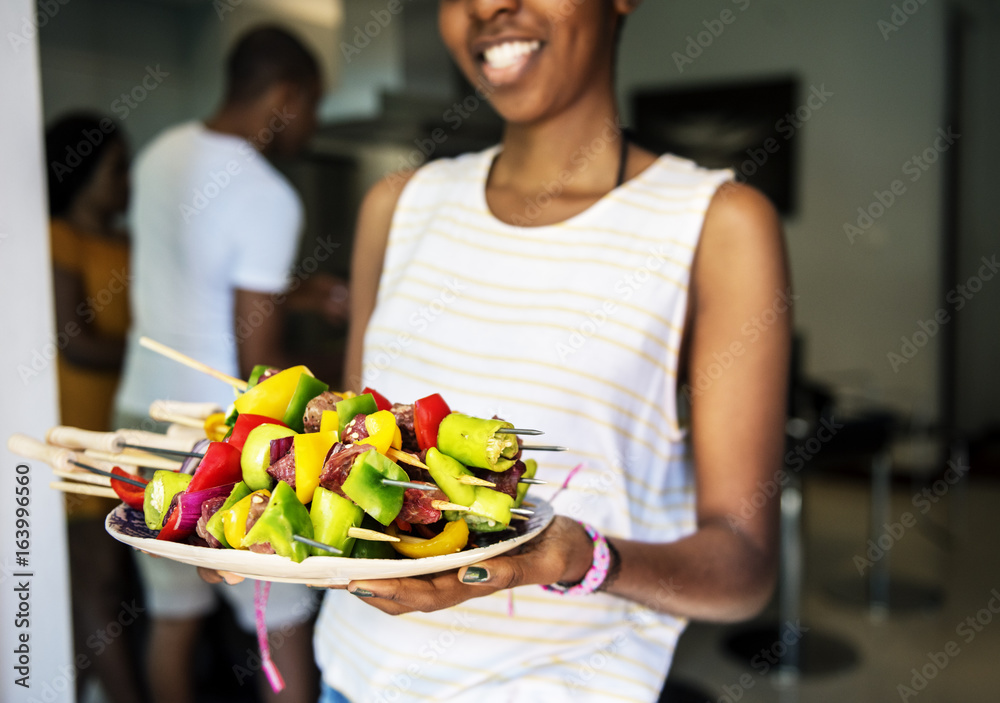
(90, 219)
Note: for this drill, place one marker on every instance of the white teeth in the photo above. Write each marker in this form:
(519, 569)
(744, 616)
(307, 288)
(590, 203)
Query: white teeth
(509, 53)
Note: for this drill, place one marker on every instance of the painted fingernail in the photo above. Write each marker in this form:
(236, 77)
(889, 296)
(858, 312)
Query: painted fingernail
(475, 574)
(363, 593)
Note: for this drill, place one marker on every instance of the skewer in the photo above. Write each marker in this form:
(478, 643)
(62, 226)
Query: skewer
(161, 450)
(147, 462)
(518, 430)
(196, 410)
(370, 535)
(445, 505)
(151, 344)
(409, 484)
(533, 481)
(318, 545)
(515, 516)
(161, 416)
(101, 472)
(405, 458)
(544, 447)
(475, 481)
(82, 477)
(522, 511)
(83, 489)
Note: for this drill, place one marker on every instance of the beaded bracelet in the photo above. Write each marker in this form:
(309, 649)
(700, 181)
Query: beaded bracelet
(598, 571)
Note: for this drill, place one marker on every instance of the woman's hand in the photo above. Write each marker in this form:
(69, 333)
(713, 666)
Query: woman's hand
(563, 552)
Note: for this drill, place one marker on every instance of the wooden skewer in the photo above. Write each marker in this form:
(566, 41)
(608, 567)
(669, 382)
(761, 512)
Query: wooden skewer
(161, 450)
(515, 516)
(151, 344)
(161, 416)
(370, 535)
(149, 462)
(196, 410)
(405, 457)
(410, 539)
(83, 489)
(445, 505)
(475, 481)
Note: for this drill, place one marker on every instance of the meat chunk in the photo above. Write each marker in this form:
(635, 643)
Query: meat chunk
(208, 509)
(355, 430)
(338, 466)
(506, 481)
(327, 400)
(417, 508)
(257, 507)
(404, 420)
(284, 468)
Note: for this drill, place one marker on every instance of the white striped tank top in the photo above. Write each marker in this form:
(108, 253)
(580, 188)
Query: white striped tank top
(573, 329)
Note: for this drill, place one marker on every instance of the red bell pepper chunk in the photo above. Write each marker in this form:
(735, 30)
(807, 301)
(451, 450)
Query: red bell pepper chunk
(380, 400)
(403, 525)
(169, 532)
(219, 466)
(130, 494)
(427, 415)
(245, 423)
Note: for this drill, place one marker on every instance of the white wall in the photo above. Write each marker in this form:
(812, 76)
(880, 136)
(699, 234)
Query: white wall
(27, 375)
(856, 300)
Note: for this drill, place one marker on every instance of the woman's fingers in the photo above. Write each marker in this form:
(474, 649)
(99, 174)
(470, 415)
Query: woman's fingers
(213, 576)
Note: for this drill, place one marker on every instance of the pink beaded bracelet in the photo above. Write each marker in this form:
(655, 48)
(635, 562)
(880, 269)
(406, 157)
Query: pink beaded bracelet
(597, 573)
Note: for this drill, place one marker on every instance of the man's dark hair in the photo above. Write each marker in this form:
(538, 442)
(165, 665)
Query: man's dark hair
(74, 146)
(265, 56)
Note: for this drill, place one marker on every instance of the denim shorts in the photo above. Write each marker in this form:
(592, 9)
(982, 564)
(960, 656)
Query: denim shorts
(331, 695)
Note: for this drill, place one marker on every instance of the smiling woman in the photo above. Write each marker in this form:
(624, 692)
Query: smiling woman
(566, 227)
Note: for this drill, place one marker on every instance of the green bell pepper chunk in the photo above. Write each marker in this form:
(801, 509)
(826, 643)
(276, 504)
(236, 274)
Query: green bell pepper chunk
(283, 517)
(530, 467)
(159, 492)
(475, 442)
(332, 517)
(364, 486)
(360, 404)
(307, 389)
(490, 510)
(214, 525)
(446, 471)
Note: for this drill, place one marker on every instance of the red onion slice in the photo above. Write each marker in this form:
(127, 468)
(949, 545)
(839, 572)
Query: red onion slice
(190, 504)
(280, 447)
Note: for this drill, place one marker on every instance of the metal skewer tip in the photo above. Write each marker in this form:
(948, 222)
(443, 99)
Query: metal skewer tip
(544, 447)
(533, 481)
(161, 450)
(102, 472)
(522, 512)
(518, 430)
(317, 545)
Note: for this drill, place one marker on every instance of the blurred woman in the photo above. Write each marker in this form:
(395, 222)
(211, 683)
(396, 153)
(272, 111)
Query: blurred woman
(87, 164)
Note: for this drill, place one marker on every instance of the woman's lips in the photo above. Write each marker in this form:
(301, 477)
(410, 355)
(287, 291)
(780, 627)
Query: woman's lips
(505, 62)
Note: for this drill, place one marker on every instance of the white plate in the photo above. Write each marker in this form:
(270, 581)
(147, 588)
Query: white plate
(126, 525)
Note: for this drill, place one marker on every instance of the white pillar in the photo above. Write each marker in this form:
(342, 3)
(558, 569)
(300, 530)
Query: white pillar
(38, 588)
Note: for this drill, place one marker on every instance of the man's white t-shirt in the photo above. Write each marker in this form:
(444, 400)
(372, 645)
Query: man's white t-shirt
(209, 215)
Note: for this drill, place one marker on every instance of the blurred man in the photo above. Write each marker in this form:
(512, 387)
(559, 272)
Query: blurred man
(215, 230)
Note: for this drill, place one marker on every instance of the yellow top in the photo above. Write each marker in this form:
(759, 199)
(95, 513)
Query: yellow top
(86, 396)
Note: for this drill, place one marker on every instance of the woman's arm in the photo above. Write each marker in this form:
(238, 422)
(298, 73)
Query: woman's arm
(84, 347)
(725, 570)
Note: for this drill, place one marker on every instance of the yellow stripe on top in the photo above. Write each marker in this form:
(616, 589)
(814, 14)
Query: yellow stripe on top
(504, 320)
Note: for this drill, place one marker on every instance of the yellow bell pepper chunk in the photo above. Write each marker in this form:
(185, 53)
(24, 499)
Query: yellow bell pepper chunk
(216, 427)
(329, 421)
(234, 520)
(310, 454)
(270, 397)
(348, 394)
(452, 539)
(382, 430)
(397, 440)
